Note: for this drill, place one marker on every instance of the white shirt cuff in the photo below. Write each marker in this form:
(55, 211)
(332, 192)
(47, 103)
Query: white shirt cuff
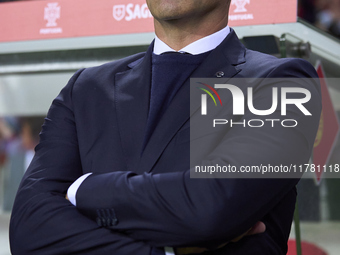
(169, 251)
(72, 190)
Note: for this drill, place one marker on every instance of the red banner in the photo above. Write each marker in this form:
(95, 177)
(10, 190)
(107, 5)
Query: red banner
(35, 20)
(328, 128)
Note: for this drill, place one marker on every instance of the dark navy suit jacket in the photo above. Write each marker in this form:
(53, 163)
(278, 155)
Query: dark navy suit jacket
(135, 201)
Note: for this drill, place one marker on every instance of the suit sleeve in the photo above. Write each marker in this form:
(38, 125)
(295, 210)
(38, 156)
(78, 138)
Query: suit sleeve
(172, 209)
(43, 221)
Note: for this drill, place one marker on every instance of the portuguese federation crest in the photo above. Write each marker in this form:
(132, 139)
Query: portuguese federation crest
(240, 5)
(52, 13)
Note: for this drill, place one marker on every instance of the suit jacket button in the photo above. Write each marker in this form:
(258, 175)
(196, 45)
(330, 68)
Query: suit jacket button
(219, 74)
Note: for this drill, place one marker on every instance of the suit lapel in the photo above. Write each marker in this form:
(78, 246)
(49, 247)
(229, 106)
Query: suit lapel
(132, 90)
(226, 58)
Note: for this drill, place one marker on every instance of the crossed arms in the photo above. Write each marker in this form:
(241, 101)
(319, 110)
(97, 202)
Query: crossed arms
(152, 210)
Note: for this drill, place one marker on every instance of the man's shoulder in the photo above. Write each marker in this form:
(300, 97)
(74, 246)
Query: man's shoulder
(104, 74)
(267, 66)
(101, 77)
(119, 65)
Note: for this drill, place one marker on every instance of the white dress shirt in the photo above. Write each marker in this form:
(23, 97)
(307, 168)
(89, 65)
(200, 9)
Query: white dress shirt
(200, 46)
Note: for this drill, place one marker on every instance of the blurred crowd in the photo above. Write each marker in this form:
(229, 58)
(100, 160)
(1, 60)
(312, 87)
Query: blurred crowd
(324, 14)
(18, 137)
(18, 134)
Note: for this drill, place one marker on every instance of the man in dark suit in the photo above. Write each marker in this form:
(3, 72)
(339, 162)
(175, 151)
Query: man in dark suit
(116, 140)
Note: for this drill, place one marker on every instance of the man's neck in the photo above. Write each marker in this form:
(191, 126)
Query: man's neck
(177, 36)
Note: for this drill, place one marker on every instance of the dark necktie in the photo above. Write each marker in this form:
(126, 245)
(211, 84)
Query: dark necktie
(169, 71)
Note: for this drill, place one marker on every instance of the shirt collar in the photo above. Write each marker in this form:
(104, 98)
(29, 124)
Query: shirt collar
(200, 46)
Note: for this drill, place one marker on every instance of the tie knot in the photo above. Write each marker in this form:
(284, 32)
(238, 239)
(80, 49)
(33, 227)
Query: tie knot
(175, 52)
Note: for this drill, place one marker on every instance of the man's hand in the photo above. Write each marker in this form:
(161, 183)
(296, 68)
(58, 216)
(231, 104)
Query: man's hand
(258, 228)
(67, 197)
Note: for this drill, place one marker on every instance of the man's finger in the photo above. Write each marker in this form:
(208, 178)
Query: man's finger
(258, 228)
(190, 250)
